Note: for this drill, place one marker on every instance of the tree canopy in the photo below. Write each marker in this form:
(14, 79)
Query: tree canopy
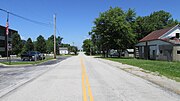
(87, 46)
(113, 30)
(154, 21)
(29, 46)
(40, 44)
(50, 44)
(16, 44)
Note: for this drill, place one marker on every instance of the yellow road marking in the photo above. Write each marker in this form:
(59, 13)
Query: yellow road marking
(86, 84)
(83, 87)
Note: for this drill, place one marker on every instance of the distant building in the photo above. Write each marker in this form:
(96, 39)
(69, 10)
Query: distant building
(163, 44)
(3, 40)
(63, 50)
(129, 53)
(126, 53)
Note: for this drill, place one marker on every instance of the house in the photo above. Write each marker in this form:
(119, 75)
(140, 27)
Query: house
(129, 53)
(163, 44)
(63, 50)
(126, 53)
(3, 40)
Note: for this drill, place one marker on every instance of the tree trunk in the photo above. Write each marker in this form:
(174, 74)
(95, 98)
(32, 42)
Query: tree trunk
(106, 54)
(119, 53)
(103, 53)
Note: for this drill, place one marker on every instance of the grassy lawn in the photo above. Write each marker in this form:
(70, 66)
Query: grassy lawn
(168, 69)
(27, 62)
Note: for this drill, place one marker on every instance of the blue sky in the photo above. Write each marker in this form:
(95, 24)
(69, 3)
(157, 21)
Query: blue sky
(74, 17)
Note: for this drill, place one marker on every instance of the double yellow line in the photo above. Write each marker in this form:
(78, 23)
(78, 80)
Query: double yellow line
(87, 93)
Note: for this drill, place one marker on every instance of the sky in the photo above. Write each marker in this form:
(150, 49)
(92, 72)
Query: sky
(74, 17)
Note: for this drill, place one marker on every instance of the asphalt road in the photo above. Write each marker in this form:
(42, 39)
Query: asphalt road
(82, 78)
(15, 75)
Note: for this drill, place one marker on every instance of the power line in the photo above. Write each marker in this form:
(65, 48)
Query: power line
(27, 19)
(58, 32)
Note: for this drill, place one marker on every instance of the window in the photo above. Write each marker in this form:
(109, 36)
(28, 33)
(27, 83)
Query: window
(178, 51)
(177, 35)
(161, 51)
(2, 43)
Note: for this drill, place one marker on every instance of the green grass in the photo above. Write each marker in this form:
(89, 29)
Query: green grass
(27, 62)
(168, 69)
(18, 63)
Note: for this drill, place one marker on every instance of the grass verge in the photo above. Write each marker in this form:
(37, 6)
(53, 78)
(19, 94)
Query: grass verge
(168, 69)
(27, 62)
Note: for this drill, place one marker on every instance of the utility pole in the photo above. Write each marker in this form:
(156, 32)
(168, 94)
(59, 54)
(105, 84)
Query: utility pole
(54, 36)
(7, 33)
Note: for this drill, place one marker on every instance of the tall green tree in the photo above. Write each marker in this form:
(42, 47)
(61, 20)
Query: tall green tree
(113, 30)
(40, 44)
(130, 15)
(154, 21)
(73, 49)
(65, 45)
(16, 44)
(29, 46)
(87, 46)
(50, 44)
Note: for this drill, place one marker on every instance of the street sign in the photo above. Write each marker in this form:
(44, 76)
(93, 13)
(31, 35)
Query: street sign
(9, 46)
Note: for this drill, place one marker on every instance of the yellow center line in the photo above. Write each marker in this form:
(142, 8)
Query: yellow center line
(85, 84)
(84, 88)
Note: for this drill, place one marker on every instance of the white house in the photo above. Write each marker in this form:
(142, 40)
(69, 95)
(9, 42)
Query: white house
(63, 50)
(161, 44)
(129, 53)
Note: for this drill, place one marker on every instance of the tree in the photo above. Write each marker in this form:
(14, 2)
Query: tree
(113, 30)
(73, 49)
(65, 45)
(50, 44)
(29, 46)
(130, 15)
(155, 21)
(40, 44)
(16, 44)
(87, 46)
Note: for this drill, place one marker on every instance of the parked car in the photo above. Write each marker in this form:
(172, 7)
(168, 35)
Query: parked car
(32, 56)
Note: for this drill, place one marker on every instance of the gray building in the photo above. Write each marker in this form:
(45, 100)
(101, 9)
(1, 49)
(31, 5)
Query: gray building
(3, 40)
(161, 44)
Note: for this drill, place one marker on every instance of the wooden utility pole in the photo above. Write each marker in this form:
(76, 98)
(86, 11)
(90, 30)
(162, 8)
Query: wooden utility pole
(54, 36)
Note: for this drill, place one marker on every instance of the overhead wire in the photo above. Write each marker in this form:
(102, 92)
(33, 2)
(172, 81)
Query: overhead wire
(30, 20)
(58, 31)
(27, 19)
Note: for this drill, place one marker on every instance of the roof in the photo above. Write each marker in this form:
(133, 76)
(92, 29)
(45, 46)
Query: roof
(3, 27)
(156, 34)
(63, 48)
(130, 50)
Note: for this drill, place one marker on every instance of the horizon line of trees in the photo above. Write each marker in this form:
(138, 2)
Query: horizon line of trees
(41, 44)
(118, 29)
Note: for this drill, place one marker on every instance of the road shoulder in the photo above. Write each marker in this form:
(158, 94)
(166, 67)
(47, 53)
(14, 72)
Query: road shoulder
(162, 81)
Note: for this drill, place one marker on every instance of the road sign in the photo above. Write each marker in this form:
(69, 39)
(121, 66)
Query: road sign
(9, 46)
